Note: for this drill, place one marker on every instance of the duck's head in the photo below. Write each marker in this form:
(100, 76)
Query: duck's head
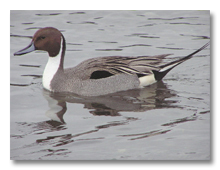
(46, 39)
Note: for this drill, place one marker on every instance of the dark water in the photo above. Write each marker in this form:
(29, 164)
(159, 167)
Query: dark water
(169, 120)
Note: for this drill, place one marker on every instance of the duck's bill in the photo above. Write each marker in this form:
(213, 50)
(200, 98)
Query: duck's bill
(26, 50)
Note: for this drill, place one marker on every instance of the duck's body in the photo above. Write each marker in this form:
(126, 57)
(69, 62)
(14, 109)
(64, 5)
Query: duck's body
(97, 76)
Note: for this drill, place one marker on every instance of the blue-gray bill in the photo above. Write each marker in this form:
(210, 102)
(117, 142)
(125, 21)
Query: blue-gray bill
(26, 50)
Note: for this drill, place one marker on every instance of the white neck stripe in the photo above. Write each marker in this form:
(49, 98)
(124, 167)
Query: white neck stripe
(51, 68)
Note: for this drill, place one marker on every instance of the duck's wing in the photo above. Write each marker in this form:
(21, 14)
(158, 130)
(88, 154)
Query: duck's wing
(103, 67)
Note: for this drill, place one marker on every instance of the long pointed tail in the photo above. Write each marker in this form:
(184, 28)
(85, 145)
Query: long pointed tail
(167, 67)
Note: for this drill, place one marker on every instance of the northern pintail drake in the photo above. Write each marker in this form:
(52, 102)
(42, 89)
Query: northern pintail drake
(97, 76)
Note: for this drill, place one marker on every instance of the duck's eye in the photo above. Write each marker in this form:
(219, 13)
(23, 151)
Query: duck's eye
(42, 37)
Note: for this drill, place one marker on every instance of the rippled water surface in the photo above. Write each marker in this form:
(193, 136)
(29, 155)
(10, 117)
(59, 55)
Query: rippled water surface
(169, 120)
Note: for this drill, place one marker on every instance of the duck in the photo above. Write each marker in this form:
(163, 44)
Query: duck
(97, 76)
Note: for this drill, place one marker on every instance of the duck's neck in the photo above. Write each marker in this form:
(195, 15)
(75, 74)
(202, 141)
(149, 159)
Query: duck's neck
(54, 64)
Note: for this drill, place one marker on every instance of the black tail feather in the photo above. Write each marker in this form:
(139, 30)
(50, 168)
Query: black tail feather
(159, 75)
(169, 66)
(185, 58)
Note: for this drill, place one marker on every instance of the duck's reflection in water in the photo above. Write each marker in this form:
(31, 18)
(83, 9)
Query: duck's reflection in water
(137, 100)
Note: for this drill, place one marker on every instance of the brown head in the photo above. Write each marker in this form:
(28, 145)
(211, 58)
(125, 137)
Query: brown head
(46, 39)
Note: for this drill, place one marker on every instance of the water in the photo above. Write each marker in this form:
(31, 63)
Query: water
(169, 120)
